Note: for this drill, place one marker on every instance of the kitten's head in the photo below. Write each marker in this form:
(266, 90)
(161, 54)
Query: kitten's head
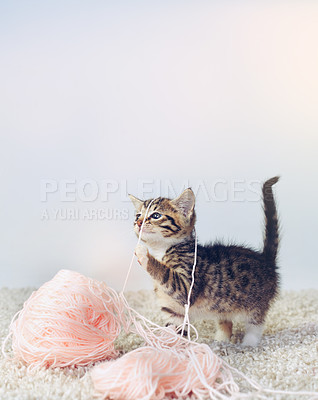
(169, 220)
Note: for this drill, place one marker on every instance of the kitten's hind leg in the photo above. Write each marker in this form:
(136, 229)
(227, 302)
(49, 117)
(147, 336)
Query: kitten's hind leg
(224, 331)
(253, 334)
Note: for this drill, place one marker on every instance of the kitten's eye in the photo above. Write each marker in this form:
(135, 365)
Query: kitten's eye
(138, 215)
(155, 215)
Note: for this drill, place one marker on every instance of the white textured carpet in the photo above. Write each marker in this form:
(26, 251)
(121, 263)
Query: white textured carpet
(286, 359)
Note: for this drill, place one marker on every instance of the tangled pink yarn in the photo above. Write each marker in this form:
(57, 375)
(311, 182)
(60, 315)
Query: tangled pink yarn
(149, 373)
(74, 320)
(70, 320)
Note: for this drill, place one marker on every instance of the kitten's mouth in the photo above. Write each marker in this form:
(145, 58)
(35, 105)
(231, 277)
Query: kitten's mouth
(144, 230)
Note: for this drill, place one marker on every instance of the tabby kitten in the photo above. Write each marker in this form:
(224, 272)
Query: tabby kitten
(230, 281)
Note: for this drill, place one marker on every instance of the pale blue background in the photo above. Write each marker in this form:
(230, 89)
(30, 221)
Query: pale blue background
(165, 90)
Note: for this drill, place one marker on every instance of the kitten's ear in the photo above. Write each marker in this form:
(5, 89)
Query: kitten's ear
(185, 202)
(136, 202)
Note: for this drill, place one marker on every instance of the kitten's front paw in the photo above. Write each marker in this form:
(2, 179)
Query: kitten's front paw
(142, 255)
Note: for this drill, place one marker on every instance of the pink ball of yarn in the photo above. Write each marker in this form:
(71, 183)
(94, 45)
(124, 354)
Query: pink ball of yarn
(70, 320)
(149, 373)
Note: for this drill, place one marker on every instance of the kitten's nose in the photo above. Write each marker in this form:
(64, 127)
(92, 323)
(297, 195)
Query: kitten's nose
(139, 222)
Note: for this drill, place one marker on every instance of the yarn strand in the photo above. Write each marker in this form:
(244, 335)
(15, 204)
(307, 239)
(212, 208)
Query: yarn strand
(139, 239)
(186, 321)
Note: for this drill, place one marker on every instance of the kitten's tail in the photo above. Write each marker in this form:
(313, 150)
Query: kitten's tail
(271, 238)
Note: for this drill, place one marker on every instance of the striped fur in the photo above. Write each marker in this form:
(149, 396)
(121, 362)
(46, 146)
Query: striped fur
(230, 281)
